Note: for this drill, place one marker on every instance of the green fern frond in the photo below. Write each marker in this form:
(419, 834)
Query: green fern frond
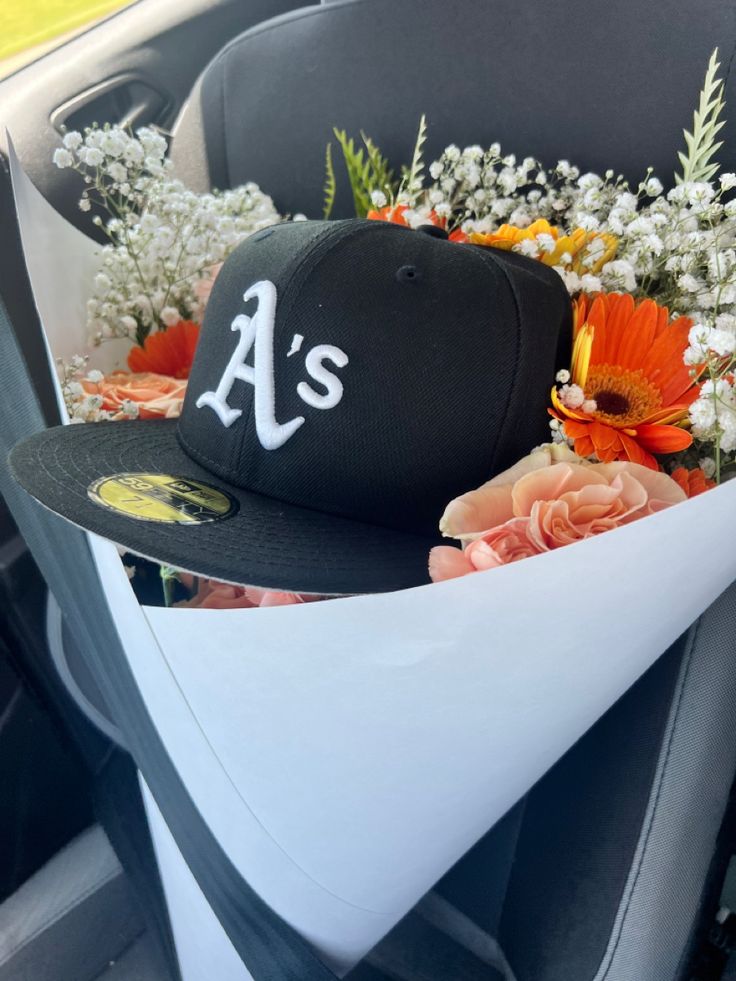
(381, 177)
(358, 169)
(697, 163)
(330, 184)
(369, 170)
(414, 175)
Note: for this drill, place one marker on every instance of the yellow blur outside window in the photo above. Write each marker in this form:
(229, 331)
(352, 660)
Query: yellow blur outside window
(30, 28)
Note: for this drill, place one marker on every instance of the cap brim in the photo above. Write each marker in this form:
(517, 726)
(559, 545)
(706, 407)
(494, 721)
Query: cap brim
(265, 543)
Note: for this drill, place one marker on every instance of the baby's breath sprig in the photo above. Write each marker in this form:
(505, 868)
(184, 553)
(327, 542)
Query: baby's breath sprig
(163, 238)
(83, 403)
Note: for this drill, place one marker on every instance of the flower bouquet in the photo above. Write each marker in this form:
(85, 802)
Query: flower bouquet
(329, 745)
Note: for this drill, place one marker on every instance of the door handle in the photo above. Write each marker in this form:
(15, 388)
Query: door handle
(125, 100)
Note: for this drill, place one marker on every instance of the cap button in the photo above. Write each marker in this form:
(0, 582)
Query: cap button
(434, 230)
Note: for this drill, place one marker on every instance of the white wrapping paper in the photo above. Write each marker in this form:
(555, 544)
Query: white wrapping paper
(61, 263)
(347, 753)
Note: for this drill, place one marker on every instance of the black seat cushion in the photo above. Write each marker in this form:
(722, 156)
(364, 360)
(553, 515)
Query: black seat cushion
(579, 834)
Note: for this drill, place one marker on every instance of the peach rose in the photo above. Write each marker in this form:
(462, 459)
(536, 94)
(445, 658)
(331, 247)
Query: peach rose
(489, 505)
(203, 288)
(540, 505)
(273, 597)
(214, 595)
(507, 543)
(156, 396)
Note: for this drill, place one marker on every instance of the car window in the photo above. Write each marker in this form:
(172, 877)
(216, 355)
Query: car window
(30, 28)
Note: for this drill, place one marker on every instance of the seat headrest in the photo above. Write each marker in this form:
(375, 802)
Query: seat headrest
(602, 83)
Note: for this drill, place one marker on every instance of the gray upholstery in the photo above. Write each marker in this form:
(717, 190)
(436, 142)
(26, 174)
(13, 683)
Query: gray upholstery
(74, 671)
(441, 915)
(435, 942)
(479, 883)
(137, 963)
(686, 806)
(70, 919)
(417, 950)
(616, 841)
(604, 83)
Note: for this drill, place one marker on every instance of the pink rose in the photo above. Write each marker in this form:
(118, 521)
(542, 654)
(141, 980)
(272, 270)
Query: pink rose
(540, 505)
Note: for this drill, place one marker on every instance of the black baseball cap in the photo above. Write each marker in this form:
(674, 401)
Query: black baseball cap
(351, 378)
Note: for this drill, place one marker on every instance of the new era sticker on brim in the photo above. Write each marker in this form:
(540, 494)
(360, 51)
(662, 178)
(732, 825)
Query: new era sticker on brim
(164, 498)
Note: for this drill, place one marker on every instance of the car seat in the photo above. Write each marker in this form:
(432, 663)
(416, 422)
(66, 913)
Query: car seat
(603, 872)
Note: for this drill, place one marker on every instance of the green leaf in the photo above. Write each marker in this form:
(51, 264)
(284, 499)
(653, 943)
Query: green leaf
(413, 179)
(380, 177)
(358, 169)
(330, 184)
(697, 163)
(169, 578)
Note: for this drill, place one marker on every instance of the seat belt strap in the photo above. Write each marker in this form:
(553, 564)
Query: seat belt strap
(270, 948)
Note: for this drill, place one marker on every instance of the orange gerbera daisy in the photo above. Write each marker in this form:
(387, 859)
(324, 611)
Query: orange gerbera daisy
(167, 352)
(395, 214)
(627, 359)
(575, 245)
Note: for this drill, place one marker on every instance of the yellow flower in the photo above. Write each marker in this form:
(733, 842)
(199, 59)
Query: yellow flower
(580, 251)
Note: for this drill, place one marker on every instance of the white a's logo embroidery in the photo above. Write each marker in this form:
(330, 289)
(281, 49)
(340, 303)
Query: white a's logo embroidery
(258, 331)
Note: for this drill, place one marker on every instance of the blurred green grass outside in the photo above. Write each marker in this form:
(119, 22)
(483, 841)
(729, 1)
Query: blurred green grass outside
(27, 23)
